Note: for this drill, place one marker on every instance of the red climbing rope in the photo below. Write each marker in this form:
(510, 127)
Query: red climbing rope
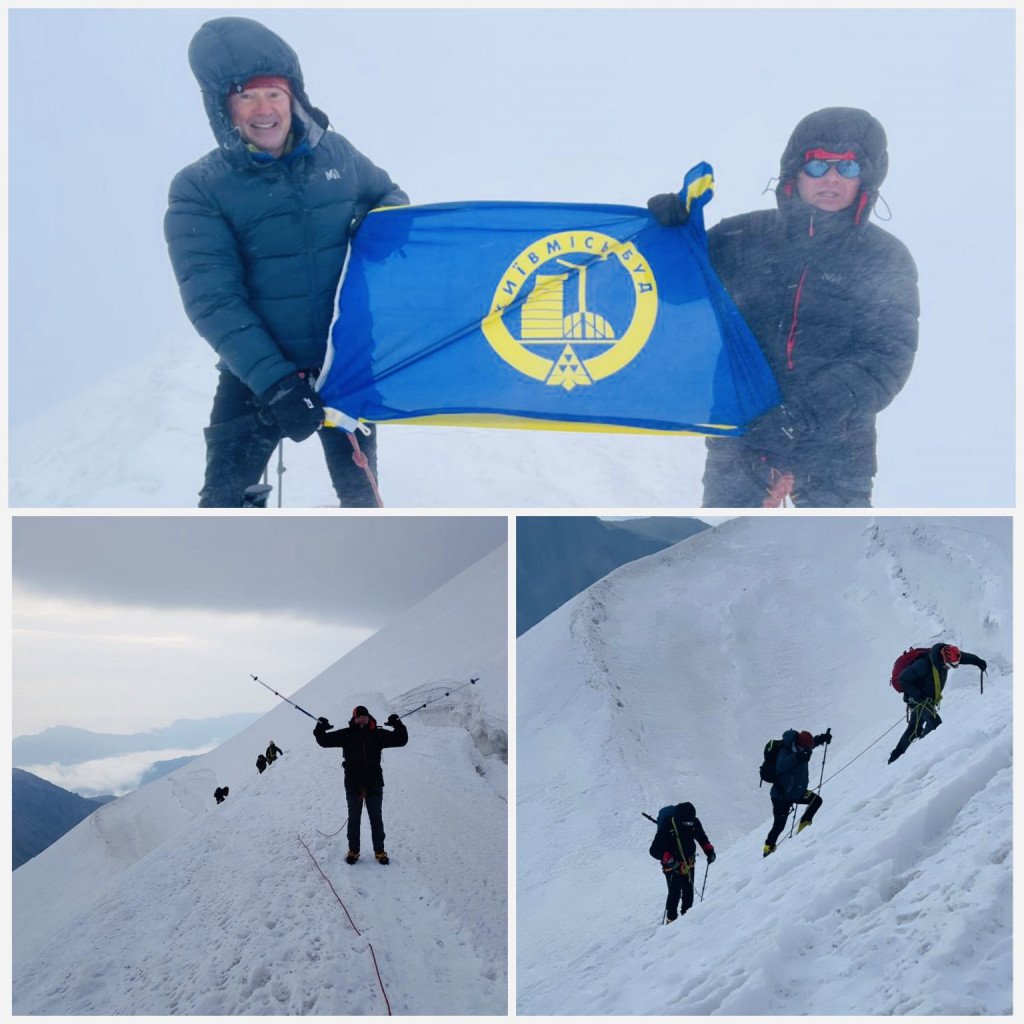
(380, 980)
(779, 489)
(359, 458)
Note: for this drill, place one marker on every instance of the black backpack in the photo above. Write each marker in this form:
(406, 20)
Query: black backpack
(771, 752)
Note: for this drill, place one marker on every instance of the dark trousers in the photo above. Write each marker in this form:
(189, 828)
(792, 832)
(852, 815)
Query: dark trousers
(781, 810)
(735, 477)
(373, 797)
(680, 888)
(242, 437)
(924, 719)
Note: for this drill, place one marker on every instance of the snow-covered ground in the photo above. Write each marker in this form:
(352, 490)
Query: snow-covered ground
(165, 903)
(672, 673)
(138, 443)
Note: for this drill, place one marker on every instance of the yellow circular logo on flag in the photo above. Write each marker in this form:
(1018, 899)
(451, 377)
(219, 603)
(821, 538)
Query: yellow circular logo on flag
(573, 308)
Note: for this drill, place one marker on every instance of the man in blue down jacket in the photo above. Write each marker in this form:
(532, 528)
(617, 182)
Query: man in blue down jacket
(791, 781)
(832, 300)
(258, 231)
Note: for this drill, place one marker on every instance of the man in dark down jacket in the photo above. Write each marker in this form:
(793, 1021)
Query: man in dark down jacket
(362, 743)
(833, 303)
(674, 847)
(922, 683)
(258, 231)
(791, 781)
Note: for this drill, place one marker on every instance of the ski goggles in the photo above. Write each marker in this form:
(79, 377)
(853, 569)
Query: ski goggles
(817, 167)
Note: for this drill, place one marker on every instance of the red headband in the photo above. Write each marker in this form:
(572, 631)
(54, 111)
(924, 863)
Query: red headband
(266, 82)
(825, 154)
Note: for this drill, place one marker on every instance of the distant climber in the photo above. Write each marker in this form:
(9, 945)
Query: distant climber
(674, 847)
(272, 752)
(362, 742)
(219, 793)
(791, 780)
(921, 683)
(261, 764)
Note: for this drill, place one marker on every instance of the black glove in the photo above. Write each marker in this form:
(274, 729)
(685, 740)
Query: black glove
(295, 406)
(779, 427)
(710, 851)
(392, 720)
(983, 664)
(825, 737)
(669, 209)
(322, 723)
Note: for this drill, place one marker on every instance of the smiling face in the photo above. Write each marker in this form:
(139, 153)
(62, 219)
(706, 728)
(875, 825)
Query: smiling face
(263, 117)
(831, 193)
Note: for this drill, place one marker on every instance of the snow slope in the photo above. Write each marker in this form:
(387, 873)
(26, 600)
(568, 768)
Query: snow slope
(675, 670)
(166, 903)
(138, 443)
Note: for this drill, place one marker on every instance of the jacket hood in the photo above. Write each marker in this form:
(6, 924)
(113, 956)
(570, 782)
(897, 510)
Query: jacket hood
(226, 52)
(686, 812)
(838, 129)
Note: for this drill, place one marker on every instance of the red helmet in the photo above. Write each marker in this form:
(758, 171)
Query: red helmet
(805, 740)
(951, 655)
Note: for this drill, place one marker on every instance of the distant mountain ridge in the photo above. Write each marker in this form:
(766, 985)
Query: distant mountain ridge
(42, 812)
(65, 744)
(558, 557)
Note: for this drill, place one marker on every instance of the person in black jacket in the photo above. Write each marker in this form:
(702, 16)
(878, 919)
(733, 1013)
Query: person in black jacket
(674, 847)
(261, 763)
(362, 743)
(791, 782)
(257, 232)
(922, 683)
(273, 750)
(833, 302)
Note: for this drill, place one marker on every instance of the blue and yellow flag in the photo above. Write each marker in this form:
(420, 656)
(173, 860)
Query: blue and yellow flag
(559, 316)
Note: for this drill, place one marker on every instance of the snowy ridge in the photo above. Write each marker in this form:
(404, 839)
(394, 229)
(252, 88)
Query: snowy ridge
(171, 904)
(676, 670)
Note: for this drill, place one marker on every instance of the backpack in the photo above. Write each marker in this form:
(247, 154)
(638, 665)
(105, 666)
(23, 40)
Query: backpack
(909, 655)
(771, 752)
(665, 813)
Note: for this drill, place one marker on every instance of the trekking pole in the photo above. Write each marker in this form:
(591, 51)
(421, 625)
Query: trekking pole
(828, 732)
(283, 697)
(648, 817)
(708, 865)
(982, 680)
(280, 470)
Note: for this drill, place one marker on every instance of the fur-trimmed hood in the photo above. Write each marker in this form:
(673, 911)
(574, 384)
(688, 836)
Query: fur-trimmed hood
(225, 53)
(839, 130)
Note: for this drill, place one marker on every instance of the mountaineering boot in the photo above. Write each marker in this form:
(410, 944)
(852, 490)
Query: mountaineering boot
(768, 849)
(802, 826)
(256, 496)
(669, 920)
(352, 857)
(382, 857)
(892, 757)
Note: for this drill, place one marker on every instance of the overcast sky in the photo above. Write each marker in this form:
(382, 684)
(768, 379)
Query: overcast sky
(126, 624)
(582, 105)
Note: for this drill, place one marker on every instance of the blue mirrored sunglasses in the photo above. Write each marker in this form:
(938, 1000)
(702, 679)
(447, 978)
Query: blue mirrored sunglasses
(819, 168)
